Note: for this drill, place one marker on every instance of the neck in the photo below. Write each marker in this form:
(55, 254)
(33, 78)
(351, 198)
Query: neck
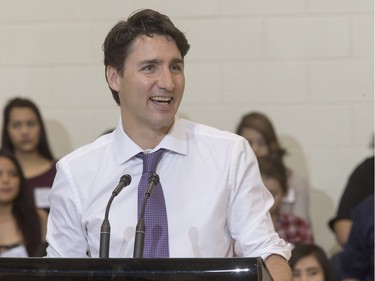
(6, 211)
(27, 157)
(32, 163)
(146, 138)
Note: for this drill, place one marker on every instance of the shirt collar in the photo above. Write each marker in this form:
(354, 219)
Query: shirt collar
(175, 140)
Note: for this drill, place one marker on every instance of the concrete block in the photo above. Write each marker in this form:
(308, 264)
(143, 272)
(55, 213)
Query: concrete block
(254, 7)
(276, 82)
(340, 6)
(342, 80)
(307, 37)
(224, 39)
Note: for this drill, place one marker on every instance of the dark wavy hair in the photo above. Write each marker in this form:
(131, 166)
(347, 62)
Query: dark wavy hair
(301, 251)
(262, 124)
(43, 145)
(121, 37)
(271, 167)
(24, 210)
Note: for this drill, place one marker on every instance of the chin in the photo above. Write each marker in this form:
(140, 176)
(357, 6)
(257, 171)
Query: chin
(164, 121)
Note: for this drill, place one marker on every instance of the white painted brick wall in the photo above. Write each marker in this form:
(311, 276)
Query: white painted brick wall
(308, 64)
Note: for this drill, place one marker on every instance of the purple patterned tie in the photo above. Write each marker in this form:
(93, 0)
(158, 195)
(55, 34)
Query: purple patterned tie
(156, 238)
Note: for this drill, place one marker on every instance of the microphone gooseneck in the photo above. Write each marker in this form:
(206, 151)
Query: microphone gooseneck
(140, 230)
(105, 230)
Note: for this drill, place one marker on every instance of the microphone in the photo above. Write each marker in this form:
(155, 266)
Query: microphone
(140, 230)
(105, 230)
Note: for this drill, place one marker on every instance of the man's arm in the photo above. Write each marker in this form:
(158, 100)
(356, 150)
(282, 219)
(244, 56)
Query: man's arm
(279, 268)
(65, 235)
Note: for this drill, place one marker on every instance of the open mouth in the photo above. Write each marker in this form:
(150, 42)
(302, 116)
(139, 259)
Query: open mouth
(163, 100)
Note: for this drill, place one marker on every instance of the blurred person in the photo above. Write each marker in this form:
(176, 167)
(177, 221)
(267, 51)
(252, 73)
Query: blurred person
(258, 129)
(22, 225)
(290, 227)
(359, 186)
(216, 203)
(309, 262)
(357, 257)
(24, 135)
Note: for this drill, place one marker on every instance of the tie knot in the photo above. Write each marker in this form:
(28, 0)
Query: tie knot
(151, 160)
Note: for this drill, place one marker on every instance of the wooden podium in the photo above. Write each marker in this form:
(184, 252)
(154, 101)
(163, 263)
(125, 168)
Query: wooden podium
(130, 269)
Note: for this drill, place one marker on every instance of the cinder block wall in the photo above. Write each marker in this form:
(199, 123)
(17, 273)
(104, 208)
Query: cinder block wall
(307, 64)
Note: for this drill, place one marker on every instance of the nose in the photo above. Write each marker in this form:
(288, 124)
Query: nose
(304, 277)
(24, 129)
(4, 177)
(166, 80)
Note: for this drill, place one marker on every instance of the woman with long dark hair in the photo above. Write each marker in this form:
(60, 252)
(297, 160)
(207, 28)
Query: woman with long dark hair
(310, 262)
(24, 134)
(22, 225)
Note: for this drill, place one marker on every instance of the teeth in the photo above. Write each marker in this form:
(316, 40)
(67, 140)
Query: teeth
(161, 99)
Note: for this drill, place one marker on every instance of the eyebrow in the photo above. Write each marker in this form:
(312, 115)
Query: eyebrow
(151, 61)
(158, 61)
(313, 268)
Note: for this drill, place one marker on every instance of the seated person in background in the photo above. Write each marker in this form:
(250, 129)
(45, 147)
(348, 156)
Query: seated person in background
(22, 226)
(309, 262)
(259, 131)
(25, 136)
(290, 227)
(359, 186)
(357, 258)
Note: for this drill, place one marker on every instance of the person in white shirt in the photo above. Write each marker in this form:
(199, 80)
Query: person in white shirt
(217, 205)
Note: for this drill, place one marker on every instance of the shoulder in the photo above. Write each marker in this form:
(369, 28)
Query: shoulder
(360, 183)
(204, 131)
(88, 151)
(368, 163)
(219, 144)
(365, 168)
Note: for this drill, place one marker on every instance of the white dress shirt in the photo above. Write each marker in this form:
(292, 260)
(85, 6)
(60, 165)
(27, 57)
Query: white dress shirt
(216, 203)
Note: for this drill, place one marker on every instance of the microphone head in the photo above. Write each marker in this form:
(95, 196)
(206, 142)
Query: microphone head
(154, 177)
(127, 179)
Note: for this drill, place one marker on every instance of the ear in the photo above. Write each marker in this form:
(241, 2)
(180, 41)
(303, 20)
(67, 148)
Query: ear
(113, 78)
